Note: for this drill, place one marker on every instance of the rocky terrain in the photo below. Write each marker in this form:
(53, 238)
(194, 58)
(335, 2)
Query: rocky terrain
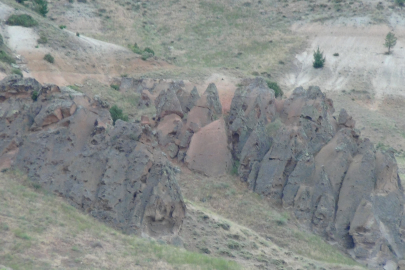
(206, 157)
(292, 151)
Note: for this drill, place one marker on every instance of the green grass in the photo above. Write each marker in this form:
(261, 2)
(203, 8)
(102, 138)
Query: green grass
(32, 220)
(22, 20)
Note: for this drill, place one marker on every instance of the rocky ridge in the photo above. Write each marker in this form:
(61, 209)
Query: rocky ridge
(301, 158)
(292, 151)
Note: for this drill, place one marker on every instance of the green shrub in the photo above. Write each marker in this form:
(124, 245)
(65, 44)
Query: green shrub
(115, 87)
(62, 26)
(42, 39)
(335, 54)
(22, 20)
(146, 55)
(149, 50)
(4, 57)
(235, 167)
(1, 40)
(319, 60)
(116, 113)
(48, 57)
(77, 34)
(17, 71)
(41, 7)
(34, 95)
(277, 90)
(135, 48)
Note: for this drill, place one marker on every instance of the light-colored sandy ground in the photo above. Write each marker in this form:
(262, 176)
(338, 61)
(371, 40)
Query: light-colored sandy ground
(362, 63)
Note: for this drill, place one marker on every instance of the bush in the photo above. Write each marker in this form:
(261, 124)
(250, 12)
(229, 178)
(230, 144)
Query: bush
(149, 50)
(48, 57)
(17, 71)
(41, 7)
(62, 26)
(21, 1)
(277, 90)
(235, 167)
(319, 60)
(77, 34)
(4, 57)
(42, 39)
(135, 48)
(115, 87)
(22, 20)
(146, 55)
(34, 95)
(335, 54)
(116, 113)
(1, 40)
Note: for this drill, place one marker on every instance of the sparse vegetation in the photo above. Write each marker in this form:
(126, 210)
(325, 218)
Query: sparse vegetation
(1, 40)
(42, 39)
(6, 58)
(41, 6)
(273, 127)
(115, 87)
(277, 90)
(400, 2)
(390, 41)
(17, 71)
(49, 58)
(336, 54)
(34, 95)
(24, 20)
(23, 206)
(319, 59)
(117, 113)
(145, 53)
(77, 34)
(235, 167)
(62, 26)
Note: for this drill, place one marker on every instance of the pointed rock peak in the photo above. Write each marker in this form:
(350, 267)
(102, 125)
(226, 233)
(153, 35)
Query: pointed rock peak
(194, 93)
(210, 100)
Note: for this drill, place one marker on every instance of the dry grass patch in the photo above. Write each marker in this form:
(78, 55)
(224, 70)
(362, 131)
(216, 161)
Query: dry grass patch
(41, 231)
(229, 197)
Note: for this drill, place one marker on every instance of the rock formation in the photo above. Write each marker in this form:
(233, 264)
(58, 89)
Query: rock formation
(298, 155)
(293, 151)
(65, 142)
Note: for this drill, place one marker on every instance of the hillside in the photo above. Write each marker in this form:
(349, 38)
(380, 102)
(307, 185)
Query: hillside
(210, 161)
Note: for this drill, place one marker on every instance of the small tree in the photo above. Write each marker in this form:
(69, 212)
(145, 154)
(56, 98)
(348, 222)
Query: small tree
(42, 7)
(390, 41)
(117, 113)
(319, 59)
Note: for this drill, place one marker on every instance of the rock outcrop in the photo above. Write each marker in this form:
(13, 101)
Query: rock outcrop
(65, 142)
(336, 183)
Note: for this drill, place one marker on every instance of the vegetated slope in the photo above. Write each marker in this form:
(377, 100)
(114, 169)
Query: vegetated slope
(77, 57)
(39, 230)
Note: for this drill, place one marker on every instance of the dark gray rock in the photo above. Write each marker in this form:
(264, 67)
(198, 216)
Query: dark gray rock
(167, 103)
(115, 175)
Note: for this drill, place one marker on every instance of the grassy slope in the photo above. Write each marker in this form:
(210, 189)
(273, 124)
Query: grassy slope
(230, 198)
(41, 231)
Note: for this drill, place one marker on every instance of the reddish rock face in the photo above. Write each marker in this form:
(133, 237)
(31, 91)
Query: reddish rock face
(208, 152)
